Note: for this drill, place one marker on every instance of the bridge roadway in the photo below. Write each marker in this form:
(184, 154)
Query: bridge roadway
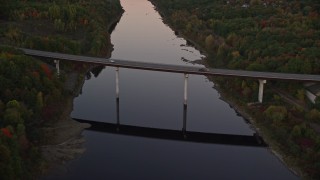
(172, 68)
(188, 136)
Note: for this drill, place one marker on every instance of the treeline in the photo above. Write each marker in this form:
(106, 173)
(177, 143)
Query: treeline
(31, 94)
(269, 35)
(262, 35)
(73, 26)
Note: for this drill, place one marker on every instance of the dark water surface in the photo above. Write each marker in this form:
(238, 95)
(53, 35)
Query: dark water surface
(155, 99)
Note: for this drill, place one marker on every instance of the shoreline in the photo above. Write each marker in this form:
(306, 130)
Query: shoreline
(247, 117)
(65, 140)
(226, 98)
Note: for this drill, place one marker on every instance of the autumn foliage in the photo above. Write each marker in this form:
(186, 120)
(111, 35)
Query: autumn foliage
(6, 132)
(46, 70)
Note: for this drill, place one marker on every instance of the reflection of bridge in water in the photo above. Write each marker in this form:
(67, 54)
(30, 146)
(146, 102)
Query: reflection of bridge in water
(180, 135)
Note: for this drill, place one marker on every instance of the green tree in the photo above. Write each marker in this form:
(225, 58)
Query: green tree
(13, 104)
(2, 107)
(222, 50)
(294, 65)
(296, 131)
(7, 6)
(232, 39)
(256, 67)
(55, 11)
(209, 41)
(255, 2)
(39, 103)
(21, 129)
(12, 117)
(6, 170)
(301, 95)
(276, 113)
(314, 114)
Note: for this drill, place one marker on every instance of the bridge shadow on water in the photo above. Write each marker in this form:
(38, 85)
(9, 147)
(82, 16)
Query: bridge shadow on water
(181, 135)
(188, 136)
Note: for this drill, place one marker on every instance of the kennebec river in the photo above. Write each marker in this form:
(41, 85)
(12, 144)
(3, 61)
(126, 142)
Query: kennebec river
(155, 99)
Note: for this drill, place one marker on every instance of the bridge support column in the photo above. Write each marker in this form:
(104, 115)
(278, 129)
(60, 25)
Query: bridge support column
(185, 89)
(117, 82)
(57, 66)
(261, 84)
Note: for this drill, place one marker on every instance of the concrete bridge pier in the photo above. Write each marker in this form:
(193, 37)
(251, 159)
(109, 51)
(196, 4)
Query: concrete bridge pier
(261, 84)
(57, 66)
(185, 89)
(117, 82)
(185, 105)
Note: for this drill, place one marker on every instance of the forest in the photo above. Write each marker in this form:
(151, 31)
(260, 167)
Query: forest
(31, 92)
(30, 95)
(270, 35)
(262, 35)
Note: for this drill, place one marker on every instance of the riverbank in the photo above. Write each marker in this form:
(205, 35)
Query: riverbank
(40, 122)
(241, 109)
(273, 147)
(64, 141)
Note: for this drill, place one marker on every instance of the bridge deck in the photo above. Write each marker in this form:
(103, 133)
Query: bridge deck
(172, 68)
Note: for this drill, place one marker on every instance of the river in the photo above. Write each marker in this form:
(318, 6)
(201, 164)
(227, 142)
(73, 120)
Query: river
(155, 99)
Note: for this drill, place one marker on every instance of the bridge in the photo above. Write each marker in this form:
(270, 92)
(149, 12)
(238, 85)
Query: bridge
(183, 135)
(186, 70)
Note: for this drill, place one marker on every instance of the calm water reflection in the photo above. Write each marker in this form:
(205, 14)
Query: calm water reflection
(155, 99)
